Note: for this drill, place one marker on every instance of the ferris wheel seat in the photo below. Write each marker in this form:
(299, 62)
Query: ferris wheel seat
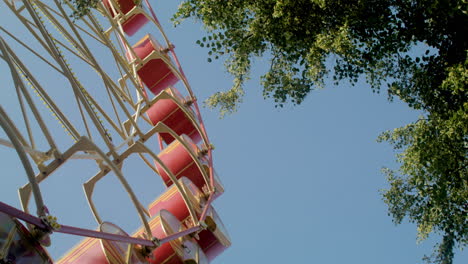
(17, 244)
(89, 250)
(124, 5)
(179, 161)
(131, 22)
(194, 254)
(214, 241)
(116, 252)
(174, 116)
(157, 76)
(134, 23)
(162, 225)
(93, 250)
(172, 200)
(157, 72)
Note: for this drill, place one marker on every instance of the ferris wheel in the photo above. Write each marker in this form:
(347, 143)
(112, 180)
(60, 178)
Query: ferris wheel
(99, 102)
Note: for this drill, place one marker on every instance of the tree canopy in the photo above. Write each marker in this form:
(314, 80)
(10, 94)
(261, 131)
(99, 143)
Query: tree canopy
(414, 49)
(308, 40)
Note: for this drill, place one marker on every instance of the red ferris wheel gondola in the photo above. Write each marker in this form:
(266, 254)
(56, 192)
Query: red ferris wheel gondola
(17, 245)
(184, 158)
(156, 69)
(214, 239)
(175, 112)
(130, 14)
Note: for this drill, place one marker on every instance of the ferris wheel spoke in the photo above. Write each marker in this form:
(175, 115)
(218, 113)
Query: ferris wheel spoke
(19, 84)
(34, 153)
(30, 219)
(30, 26)
(75, 40)
(77, 88)
(81, 45)
(31, 50)
(109, 84)
(51, 12)
(111, 87)
(18, 68)
(77, 49)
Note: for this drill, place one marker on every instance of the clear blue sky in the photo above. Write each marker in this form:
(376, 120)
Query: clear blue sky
(302, 183)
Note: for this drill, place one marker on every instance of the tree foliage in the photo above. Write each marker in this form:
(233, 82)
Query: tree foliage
(82, 7)
(307, 41)
(356, 37)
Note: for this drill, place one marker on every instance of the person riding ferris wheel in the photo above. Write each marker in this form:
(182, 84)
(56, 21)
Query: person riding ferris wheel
(99, 103)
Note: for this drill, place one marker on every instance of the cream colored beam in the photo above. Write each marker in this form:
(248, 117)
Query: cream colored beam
(107, 80)
(55, 22)
(113, 167)
(25, 116)
(81, 45)
(18, 82)
(127, 47)
(104, 38)
(43, 94)
(139, 148)
(72, 79)
(85, 145)
(79, 50)
(29, 25)
(47, 170)
(30, 49)
(76, 25)
(44, 155)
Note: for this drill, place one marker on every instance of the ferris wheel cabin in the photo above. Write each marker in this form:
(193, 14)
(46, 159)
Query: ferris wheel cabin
(156, 70)
(213, 240)
(128, 13)
(180, 161)
(17, 244)
(174, 113)
(179, 251)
